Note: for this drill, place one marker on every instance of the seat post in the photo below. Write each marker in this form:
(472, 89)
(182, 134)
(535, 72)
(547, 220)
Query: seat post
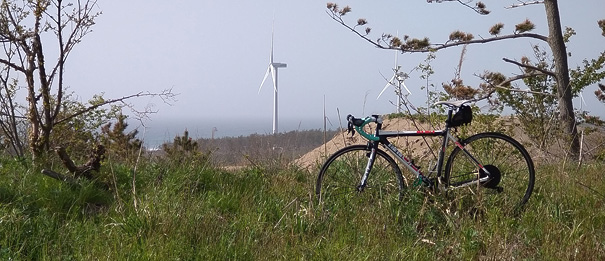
(450, 112)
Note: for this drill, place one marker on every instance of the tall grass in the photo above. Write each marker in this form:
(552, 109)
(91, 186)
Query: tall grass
(195, 211)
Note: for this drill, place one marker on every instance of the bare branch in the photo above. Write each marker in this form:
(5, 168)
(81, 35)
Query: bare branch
(432, 47)
(480, 41)
(16, 116)
(93, 163)
(524, 91)
(69, 180)
(547, 72)
(12, 65)
(523, 3)
(338, 18)
(478, 8)
(81, 20)
(459, 68)
(164, 95)
(504, 85)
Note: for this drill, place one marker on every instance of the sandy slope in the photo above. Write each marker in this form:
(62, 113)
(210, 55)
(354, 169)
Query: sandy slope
(414, 146)
(417, 148)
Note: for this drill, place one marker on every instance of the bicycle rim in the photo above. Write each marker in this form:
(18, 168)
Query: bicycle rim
(511, 179)
(338, 180)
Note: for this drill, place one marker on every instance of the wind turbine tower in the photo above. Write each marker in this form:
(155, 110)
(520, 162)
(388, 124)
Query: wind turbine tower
(396, 81)
(273, 66)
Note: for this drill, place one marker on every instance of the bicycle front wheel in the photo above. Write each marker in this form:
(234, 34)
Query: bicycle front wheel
(508, 182)
(340, 176)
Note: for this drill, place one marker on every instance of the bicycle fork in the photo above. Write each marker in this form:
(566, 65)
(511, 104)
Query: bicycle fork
(371, 157)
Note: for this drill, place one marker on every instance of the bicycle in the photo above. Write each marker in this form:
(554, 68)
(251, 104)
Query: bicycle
(489, 166)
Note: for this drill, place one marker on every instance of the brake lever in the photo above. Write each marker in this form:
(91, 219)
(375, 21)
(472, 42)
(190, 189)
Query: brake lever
(350, 129)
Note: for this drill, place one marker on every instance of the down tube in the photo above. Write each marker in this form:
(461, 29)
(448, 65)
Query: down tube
(406, 162)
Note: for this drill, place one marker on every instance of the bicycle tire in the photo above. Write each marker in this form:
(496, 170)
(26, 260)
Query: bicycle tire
(341, 174)
(510, 165)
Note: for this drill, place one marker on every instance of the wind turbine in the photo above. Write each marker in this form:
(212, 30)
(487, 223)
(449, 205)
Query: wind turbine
(397, 82)
(583, 101)
(273, 66)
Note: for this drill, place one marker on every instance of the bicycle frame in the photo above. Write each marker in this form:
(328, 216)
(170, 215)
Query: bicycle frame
(381, 137)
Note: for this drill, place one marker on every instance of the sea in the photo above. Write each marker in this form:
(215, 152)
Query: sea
(156, 132)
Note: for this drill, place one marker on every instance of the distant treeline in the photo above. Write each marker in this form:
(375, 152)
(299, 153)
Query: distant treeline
(257, 148)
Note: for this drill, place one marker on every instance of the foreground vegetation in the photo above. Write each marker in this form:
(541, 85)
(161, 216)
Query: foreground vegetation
(188, 209)
(180, 205)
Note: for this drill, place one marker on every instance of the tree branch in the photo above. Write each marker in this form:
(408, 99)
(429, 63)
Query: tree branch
(433, 47)
(485, 40)
(164, 95)
(67, 162)
(93, 163)
(522, 3)
(338, 19)
(547, 72)
(524, 91)
(12, 65)
(61, 177)
(477, 9)
(504, 85)
(16, 116)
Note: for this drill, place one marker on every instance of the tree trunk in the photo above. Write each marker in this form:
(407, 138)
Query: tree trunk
(32, 111)
(46, 124)
(557, 46)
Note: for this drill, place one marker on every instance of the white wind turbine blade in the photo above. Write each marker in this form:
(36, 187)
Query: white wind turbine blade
(386, 86)
(582, 97)
(271, 55)
(264, 78)
(271, 67)
(406, 88)
(274, 77)
(272, 36)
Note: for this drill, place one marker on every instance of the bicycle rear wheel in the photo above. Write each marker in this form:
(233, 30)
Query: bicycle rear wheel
(339, 177)
(511, 173)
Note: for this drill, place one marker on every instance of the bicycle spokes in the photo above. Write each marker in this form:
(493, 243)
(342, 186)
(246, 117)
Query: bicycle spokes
(505, 179)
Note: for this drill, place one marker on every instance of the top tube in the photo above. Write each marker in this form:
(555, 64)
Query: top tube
(360, 123)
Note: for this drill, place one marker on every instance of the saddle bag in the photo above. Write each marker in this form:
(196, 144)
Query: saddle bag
(463, 116)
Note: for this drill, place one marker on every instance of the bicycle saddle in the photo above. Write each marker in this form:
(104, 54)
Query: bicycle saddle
(456, 104)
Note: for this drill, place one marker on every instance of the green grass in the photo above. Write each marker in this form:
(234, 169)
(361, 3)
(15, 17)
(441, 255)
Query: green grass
(193, 211)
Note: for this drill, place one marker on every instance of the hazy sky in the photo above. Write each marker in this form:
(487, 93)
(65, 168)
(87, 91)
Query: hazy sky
(215, 54)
